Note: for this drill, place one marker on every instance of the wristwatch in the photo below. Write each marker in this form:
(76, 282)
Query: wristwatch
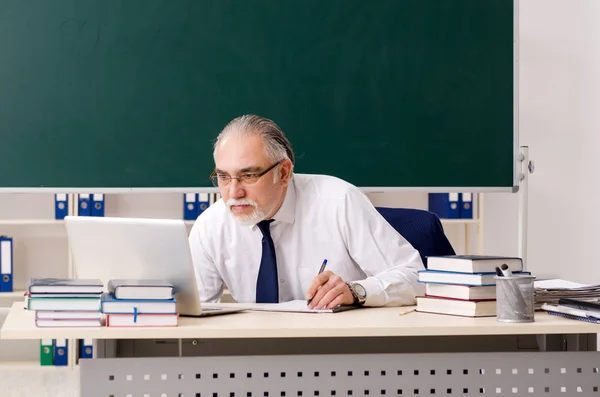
(358, 292)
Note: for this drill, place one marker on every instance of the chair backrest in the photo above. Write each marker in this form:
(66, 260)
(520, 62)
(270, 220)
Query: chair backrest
(421, 228)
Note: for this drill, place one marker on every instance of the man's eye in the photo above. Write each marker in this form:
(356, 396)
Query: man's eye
(248, 176)
(223, 177)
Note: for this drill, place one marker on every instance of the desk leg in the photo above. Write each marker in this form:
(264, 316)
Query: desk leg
(105, 348)
(570, 342)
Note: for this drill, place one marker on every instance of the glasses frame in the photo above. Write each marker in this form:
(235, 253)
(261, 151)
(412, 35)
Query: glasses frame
(215, 179)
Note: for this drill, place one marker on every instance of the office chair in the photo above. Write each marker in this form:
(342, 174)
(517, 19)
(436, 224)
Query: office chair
(421, 228)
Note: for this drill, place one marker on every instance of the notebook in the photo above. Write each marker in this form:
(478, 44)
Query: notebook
(297, 306)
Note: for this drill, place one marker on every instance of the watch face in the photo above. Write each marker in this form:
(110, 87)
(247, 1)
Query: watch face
(360, 290)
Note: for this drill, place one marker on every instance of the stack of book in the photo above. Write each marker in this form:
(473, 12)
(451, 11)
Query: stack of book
(139, 303)
(65, 302)
(463, 285)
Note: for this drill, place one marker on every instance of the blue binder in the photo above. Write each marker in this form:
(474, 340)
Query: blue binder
(466, 205)
(84, 205)
(61, 206)
(190, 206)
(97, 204)
(6, 264)
(445, 205)
(86, 348)
(203, 202)
(61, 350)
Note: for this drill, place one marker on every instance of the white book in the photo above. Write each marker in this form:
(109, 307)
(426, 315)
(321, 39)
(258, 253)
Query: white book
(456, 307)
(47, 323)
(67, 315)
(64, 304)
(464, 292)
(141, 320)
(473, 263)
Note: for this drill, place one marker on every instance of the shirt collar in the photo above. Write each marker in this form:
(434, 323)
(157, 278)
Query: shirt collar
(287, 211)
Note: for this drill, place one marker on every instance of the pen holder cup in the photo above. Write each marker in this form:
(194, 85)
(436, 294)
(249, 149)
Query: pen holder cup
(514, 299)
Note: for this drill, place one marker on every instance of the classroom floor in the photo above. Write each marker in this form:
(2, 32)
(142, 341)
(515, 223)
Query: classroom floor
(19, 380)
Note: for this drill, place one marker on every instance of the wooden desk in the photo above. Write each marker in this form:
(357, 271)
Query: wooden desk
(371, 322)
(464, 373)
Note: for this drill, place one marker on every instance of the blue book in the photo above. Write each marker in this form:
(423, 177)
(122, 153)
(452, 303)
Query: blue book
(476, 279)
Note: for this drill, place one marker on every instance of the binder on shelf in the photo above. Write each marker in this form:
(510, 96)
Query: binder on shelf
(86, 348)
(97, 204)
(190, 206)
(214, 197)
(203, 202)
(61, 205)
(61, 350)
(84, 205)
(46, 351)
(6, 264)
(466, 205)
(445, 205)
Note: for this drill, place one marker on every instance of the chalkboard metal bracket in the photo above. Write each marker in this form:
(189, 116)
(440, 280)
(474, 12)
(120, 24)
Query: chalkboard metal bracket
(526, 167)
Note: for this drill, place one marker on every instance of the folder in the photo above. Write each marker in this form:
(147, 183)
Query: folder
(61, 350)
(6, 264)
(445, 205)
(203, 202)
(46, 352)
(61, 206)
(97, 204)
(214, 197)
(190, 206)
(466, 205)
(84, 205)
(86, 348)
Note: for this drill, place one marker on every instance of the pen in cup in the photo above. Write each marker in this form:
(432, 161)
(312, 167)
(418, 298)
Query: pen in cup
(321, 270)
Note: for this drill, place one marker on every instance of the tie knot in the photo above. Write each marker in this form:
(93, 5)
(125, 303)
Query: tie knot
(264, 226)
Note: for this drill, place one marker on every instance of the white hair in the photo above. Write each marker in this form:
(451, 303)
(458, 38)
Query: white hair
(277, 146)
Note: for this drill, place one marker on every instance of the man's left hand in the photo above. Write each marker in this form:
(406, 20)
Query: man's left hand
(328, 290)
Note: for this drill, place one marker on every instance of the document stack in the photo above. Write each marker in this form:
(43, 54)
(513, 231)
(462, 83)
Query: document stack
(139, 303)
(65, 302)
(463, 285)
(553, 290)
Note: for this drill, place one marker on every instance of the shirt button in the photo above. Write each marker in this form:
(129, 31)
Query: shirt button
(282, 281)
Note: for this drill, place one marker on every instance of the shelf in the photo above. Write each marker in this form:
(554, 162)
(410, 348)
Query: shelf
(459, 221)
(30, 222)
(8, 298)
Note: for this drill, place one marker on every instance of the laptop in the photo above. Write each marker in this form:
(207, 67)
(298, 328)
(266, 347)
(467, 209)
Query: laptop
(108, 248)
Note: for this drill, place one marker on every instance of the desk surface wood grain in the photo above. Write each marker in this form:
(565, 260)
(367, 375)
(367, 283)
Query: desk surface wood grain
(371, 322)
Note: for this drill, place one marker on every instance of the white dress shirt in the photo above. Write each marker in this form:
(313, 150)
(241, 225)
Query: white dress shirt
(322, 217)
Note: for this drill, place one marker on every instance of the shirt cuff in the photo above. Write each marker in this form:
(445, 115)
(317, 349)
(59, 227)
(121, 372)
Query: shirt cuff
(374, 289)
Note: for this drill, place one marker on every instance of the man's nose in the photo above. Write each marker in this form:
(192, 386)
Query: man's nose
(236, 190)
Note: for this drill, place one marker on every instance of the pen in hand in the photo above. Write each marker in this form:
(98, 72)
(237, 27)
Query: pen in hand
(321, 270)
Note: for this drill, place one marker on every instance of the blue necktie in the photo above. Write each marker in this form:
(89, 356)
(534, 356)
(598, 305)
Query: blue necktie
(267, 286)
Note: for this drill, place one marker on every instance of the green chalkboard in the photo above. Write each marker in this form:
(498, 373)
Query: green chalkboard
(132, 93)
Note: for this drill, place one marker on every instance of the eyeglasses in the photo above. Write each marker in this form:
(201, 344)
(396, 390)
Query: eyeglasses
(245, 179)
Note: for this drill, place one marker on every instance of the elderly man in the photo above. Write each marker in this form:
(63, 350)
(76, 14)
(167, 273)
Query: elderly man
(270, 235)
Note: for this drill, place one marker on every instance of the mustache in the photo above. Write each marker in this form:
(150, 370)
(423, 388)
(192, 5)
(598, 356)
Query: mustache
(232, 202)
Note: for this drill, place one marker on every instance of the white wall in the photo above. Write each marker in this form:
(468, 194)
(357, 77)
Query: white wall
(560, 122)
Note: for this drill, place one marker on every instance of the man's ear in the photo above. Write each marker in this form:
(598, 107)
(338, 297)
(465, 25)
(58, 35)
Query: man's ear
(285, 171)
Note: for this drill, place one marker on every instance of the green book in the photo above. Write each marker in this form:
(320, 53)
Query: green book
(46, 352)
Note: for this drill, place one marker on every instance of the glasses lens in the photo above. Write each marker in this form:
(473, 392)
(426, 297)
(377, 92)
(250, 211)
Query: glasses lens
(215, 180)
